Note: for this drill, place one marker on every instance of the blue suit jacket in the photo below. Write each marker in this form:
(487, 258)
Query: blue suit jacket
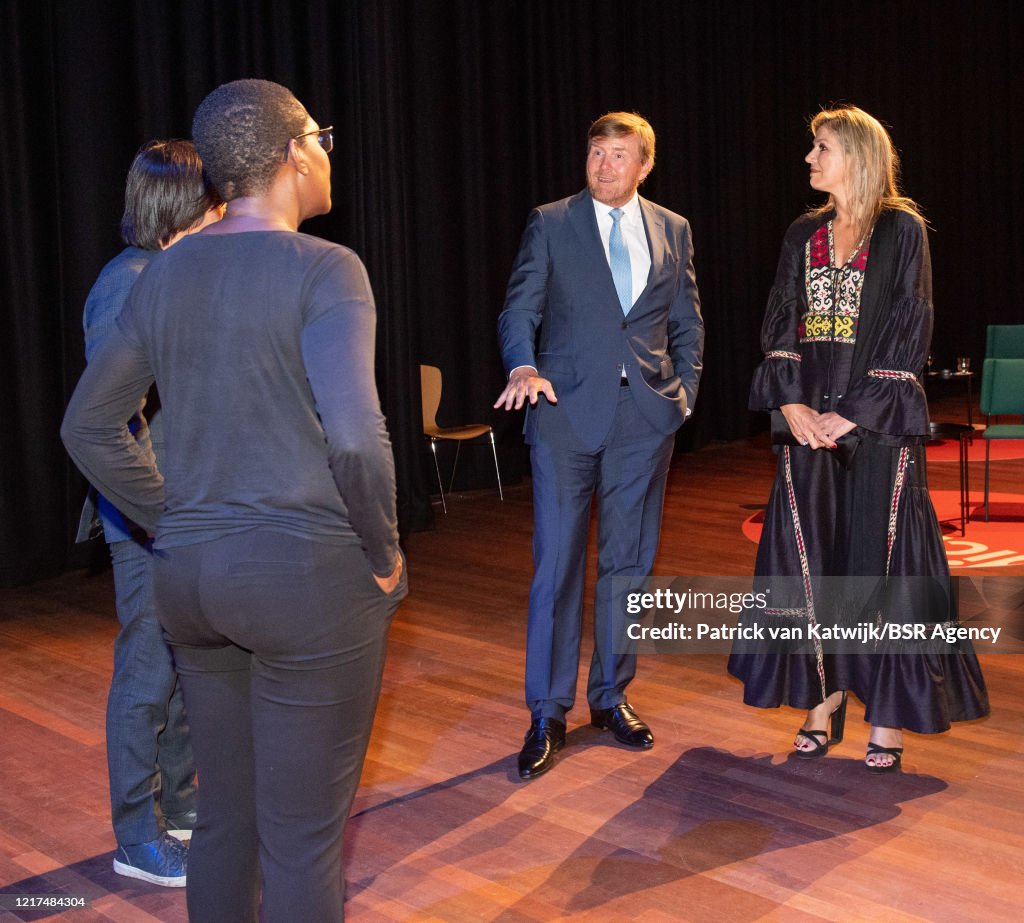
(562, 285)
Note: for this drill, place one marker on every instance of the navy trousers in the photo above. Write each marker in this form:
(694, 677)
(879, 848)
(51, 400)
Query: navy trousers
(627, 474)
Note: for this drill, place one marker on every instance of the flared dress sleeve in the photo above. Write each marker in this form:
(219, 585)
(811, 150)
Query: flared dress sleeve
(777, 379)
(888, 398)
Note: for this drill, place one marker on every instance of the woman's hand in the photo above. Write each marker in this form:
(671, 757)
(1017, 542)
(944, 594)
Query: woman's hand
(805, 425)
(834, 427)
(389, 583)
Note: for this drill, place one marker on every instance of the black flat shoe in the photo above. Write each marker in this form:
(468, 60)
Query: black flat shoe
(895, 752)
(544, 739)
(820, 739)
(624, 724)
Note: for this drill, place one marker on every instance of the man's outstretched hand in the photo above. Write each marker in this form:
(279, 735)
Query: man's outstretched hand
(523, 383)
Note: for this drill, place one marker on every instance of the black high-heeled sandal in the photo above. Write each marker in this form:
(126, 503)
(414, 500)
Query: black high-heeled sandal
(875, 749)
(821, 740)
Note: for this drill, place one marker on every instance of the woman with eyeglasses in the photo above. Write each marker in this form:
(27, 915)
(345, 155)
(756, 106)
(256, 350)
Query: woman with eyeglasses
(277, 561)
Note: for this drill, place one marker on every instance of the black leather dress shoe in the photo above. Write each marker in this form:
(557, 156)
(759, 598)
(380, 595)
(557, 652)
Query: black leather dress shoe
(624, 724)
(544, 739)
(180, 826)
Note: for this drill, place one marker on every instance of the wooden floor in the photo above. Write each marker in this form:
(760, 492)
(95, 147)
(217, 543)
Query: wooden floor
(715, 823)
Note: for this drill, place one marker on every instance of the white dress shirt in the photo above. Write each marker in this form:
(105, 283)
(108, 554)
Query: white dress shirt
(633, 236)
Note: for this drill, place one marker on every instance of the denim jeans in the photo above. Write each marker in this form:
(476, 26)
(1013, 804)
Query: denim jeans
(149, 753)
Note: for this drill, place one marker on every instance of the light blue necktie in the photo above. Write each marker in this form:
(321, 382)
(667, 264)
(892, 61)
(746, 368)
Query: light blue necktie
(618, 256)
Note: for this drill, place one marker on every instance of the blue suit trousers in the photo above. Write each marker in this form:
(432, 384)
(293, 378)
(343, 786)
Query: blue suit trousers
(628, 475)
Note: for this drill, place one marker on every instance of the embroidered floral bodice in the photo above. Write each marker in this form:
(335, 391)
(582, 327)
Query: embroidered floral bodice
(833, 292)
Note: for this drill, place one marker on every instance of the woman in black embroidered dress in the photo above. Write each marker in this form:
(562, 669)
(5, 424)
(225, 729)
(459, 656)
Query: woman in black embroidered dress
(845, 336)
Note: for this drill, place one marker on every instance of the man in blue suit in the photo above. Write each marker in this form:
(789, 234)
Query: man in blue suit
(607, 280)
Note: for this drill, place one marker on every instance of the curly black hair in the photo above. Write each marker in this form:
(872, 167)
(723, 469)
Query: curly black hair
(242, 130)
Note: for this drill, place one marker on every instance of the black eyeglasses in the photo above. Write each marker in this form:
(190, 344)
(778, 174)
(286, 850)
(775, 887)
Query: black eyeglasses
(324, 137)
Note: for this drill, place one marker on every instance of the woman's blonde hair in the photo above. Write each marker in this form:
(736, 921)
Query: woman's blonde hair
(872, 164)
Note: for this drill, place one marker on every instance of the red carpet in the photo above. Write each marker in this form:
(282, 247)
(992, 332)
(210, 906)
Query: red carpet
(947, 450)
(997, 543)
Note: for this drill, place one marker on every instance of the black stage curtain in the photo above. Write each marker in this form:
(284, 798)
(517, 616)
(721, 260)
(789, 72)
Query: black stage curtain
(453, 118)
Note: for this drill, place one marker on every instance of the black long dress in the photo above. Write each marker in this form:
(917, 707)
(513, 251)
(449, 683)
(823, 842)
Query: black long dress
(854, 339)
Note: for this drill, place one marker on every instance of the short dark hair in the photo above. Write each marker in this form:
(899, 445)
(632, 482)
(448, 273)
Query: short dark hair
(242, 130)
(166, 193)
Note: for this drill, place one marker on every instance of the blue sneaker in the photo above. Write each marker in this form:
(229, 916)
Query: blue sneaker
(160, 862)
